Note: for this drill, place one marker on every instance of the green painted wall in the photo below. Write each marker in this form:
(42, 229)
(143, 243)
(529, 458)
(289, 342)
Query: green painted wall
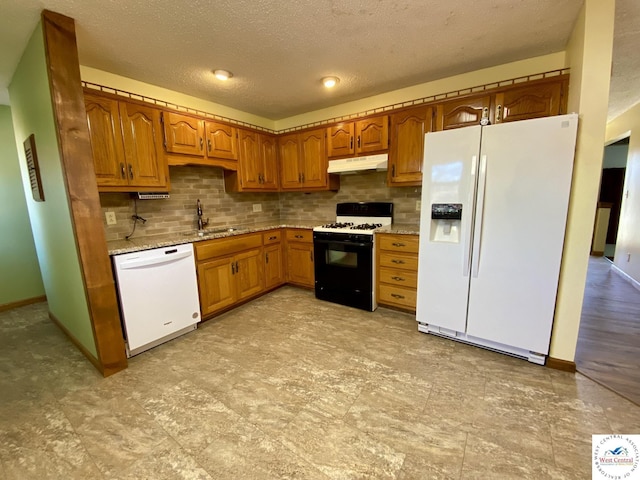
(19, 271)
(32, 112)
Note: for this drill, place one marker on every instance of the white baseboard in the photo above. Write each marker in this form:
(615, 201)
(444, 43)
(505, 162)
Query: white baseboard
(626, 276)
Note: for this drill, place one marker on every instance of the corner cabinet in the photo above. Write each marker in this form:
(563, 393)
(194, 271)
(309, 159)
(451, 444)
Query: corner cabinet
(304, 163)
(407, 145)
(257, 164)
(193, 141)
(358, 138)
(126, 140)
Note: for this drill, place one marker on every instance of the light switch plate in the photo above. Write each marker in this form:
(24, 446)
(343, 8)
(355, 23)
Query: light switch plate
(111, 218)
(257, 207)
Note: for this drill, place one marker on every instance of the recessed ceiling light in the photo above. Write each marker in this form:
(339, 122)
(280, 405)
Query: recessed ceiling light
(223, 74)
(330, 82)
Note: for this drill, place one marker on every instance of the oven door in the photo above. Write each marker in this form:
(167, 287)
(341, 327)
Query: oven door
(344, 272)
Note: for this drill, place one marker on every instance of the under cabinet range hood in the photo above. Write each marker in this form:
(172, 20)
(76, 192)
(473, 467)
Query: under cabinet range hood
(354, 165)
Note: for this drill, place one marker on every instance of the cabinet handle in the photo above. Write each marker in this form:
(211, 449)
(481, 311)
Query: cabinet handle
(266, 255)
(393, 171)
(395, 295)
(130, 172)
(398, 279)
(299, 178)
(399, 262)
(122, 172)
(498, 113)
(201, 143)
(237, 267)
(302, 177)
(299, 236)
(311, 256)
(398, 244)
(209, 144)
(351, 144)
(233, 268)
(358, 142)
(273, 238)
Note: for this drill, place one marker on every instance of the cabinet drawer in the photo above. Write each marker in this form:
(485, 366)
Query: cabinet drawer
(399, 260)
(299, 235)
(403, 297)
(399, 243)
(227, 246)
(400, 278)
(271, 237)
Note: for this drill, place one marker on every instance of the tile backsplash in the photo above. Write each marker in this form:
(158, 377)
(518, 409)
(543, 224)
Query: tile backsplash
(188, 184)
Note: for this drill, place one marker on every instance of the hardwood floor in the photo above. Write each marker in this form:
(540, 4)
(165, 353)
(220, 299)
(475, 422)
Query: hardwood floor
(608, 348)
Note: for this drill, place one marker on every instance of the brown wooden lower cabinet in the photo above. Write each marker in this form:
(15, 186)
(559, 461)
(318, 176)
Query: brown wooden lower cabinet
(274, 273)
(397, 270)
(300, 260)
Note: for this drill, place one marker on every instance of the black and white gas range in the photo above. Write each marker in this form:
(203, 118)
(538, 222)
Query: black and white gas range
(344, 254)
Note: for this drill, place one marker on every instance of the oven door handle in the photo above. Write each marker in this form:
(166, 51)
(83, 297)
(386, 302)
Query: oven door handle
(342, 242)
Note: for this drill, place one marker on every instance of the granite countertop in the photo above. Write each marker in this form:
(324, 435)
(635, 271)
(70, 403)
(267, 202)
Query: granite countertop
(136, 244)
(401, 229)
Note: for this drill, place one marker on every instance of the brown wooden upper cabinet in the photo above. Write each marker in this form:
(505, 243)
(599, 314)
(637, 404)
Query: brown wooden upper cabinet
(407, 145)
(126, 140)
(531, 101)
(462, 112)
(303, 162)
(257, 164)
(362, 137)
(203, 141)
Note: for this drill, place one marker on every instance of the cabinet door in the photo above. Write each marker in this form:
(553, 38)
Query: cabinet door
(141, 133)
(533, 101)
(314, 159)
(249, 273)
(372, 135)
(222, 141)
(216, 282)
(269, 156)
(463, 112)
(290, 174)
(273, 268)
(183, 134)
(250, 165)
(103, 119)
(407, 146)
(340, 141)
(300, 264)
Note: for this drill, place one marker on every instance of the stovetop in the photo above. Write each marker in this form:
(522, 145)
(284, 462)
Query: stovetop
(359, 218)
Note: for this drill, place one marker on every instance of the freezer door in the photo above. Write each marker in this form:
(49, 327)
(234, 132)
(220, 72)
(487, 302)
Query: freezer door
(525, 176)
(449, 180)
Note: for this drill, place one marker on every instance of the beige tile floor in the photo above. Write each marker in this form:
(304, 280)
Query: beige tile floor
(290, 387)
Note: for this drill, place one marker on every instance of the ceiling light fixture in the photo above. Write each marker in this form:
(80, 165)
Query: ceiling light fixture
(330, 82)
(223, 74)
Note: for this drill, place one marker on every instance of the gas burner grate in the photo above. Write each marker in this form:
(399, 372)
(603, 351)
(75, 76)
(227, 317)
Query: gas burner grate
(366, 226)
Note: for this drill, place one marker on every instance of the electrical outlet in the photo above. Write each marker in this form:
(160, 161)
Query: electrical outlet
(111, 218)
(257, 207)
(418, 205)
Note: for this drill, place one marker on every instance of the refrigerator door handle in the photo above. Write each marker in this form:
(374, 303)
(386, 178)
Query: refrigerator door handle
(466, 261)
(479, 218)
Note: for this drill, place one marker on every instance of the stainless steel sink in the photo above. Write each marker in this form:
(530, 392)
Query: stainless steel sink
(222, 230)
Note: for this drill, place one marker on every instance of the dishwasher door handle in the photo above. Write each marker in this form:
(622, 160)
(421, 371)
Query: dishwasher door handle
(150, 262)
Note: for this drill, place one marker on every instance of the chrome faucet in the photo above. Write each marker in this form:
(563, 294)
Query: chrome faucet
(201, 223)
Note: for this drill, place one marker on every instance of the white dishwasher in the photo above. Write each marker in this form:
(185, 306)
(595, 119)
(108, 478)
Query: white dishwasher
(158, 292)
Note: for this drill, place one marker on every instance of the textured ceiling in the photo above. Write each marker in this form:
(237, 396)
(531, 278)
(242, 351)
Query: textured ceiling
(279, 50)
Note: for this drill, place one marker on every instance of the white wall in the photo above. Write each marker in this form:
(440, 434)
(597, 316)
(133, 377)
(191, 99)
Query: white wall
(589, 56)
(627, 256)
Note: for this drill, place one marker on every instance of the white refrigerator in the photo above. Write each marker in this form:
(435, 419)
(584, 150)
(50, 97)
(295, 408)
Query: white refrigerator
(492, 226)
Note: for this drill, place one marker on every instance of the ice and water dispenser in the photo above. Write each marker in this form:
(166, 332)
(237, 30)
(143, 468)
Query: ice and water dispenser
(445, 222)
